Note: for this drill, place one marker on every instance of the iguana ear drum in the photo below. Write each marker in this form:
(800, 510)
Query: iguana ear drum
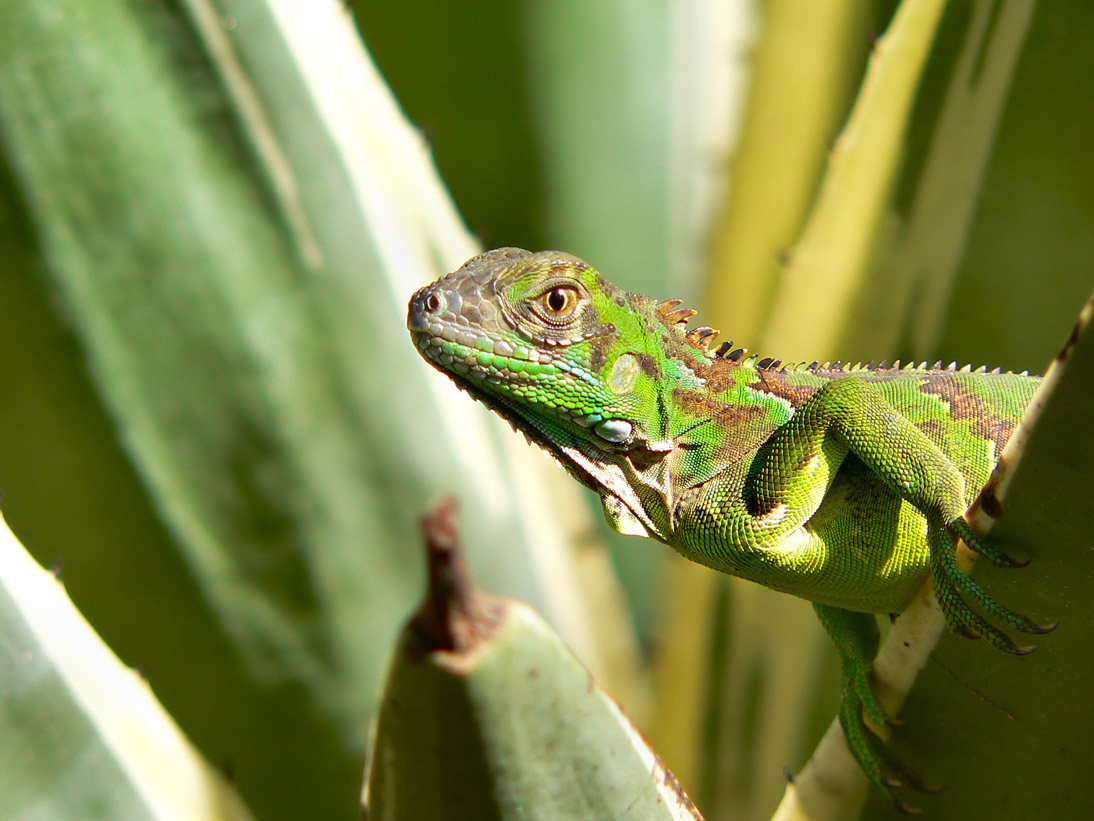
(624, 373)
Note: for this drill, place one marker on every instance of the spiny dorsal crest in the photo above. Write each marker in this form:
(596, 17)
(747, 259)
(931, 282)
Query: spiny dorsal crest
(703, 336)
(671, 312)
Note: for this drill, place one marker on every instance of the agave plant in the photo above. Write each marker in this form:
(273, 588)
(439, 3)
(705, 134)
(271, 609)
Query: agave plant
(214, 427)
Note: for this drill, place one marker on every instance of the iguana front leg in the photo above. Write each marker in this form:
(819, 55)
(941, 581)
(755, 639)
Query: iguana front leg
(853, 416)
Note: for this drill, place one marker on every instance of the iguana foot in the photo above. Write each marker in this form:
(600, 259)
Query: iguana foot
(881, 767)
(950, 583)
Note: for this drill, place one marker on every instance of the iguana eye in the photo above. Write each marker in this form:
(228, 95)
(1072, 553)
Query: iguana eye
(559, 302)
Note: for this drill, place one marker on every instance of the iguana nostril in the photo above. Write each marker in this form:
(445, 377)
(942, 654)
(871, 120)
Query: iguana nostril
(432, 304)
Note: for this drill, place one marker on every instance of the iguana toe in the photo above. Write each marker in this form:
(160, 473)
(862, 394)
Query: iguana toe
(963, 530)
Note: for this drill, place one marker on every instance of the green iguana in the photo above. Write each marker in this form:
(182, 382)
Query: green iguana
(846, 486)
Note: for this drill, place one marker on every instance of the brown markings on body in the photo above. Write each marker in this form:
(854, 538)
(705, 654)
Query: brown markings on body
(776, 384)
(598, 352)
(933, 430)
(726, 416)
(599, 335)
(965, 406)
(718, 374)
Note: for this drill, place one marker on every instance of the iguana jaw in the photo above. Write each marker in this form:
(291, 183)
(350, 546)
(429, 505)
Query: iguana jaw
(509, 411)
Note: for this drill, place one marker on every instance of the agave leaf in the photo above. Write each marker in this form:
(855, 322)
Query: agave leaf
(830, 262)
(955, 128)
(81, 734)
(486, 714)
(233, 213)
(471, 102)
(1025, 268)
(806, 68)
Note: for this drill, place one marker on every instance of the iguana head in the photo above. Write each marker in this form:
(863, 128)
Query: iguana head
(565, 356)
(540, 337)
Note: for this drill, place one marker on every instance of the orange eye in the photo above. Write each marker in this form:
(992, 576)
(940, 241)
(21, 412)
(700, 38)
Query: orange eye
(559, 302)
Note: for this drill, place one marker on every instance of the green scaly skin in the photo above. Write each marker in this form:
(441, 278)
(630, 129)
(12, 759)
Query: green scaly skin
(846, 486)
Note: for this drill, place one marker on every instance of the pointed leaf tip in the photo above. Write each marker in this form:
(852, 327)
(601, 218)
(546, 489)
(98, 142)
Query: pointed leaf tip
(454, 614)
